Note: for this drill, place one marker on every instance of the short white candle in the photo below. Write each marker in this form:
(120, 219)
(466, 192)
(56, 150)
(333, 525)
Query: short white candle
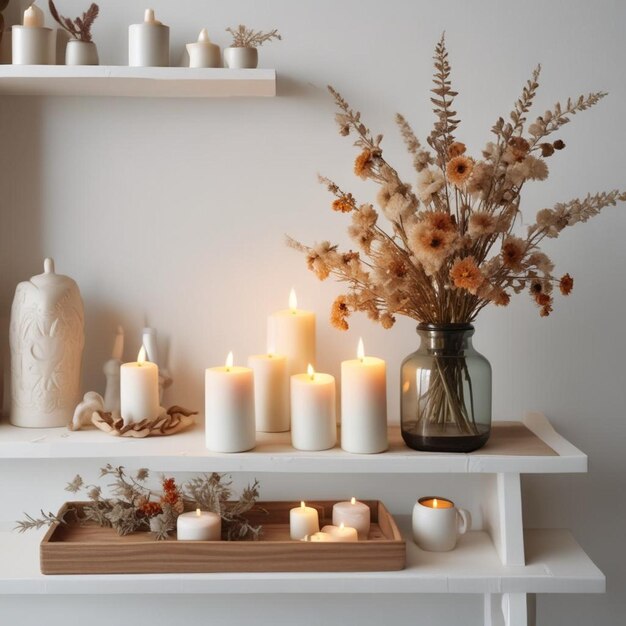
(199, 526)
(33, 17)
(319, 538)
(303, 520)
(341, 533)
(139, 390)
(229, 408)
(292, 332)
(364, 404)
(354, 514)
(313, 420)
(271, 392)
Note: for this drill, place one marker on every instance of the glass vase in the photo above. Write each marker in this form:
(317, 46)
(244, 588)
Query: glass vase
(446, 391)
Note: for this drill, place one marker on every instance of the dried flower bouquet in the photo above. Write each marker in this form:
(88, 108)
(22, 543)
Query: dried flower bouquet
(452, 247)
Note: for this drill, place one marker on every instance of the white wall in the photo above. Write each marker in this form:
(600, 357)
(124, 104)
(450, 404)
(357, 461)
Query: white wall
(174, 212)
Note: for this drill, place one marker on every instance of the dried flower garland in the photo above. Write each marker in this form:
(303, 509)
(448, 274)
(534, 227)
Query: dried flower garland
(452, 248)
(134, 507)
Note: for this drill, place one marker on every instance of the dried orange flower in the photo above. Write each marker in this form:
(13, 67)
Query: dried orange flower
(440, 220)
(459, 169)
(481, 223)
(345, 204)
(500, 297)
(513, 250)
(339, 313)
(465, 274)
(456, 149)
(363, 164)
(151, 509)
(543, 299)
(559, 144)
(546, 310)
(431, 246)
(566, 285)
(547, 149)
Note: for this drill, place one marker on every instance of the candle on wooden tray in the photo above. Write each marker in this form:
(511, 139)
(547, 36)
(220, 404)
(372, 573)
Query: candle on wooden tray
(271, 392)
(292, 332)
(353, 514)
(303, 521)
(319, 538)
(313, 420)
(341, 532)
(199, 526)
(139, 390)
(229, 408)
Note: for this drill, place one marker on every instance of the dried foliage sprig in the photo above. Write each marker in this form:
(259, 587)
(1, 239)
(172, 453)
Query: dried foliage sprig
(244, 37)
(134, 507)
(79, 28)
(453, 247)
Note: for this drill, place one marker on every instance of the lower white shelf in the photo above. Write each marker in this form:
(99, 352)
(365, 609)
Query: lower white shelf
(555, 564)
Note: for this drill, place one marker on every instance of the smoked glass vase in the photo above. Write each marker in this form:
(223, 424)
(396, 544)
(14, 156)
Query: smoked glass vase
(445, 391)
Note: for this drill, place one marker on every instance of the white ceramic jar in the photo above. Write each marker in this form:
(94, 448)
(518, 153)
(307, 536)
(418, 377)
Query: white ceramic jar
(149, 43)
(33, 45)
(241, 58)
(81, 53)
(47, 339)
(437, 524)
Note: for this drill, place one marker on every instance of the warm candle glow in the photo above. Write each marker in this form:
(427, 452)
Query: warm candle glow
(141, 357)
(302, 504)
(360, 351)
(435, 503)
(353, 501)
(293, 300)
(229, 361)
(198, 512)
(342, 525)
(311, 372)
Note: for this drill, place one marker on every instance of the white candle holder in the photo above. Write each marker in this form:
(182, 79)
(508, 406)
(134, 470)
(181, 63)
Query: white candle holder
(33, 45)
(149, 43)
(437, 524)
(204, 53)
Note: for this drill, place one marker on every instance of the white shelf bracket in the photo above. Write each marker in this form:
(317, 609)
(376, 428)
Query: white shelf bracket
(510, 609)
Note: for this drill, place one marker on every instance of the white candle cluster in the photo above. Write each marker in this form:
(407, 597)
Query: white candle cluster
(351, 522)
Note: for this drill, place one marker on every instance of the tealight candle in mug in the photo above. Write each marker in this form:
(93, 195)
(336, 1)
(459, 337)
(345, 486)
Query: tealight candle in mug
(437, 524)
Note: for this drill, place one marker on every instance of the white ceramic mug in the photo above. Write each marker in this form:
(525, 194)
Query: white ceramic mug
(437, 524)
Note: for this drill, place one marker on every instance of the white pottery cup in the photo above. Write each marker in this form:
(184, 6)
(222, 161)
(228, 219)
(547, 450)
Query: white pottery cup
(81, 53)
(241, 58)
(437, 524)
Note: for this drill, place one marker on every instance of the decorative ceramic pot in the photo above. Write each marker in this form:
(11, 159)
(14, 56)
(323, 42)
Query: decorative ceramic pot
(81, 53)
(446, 391)
(241, 58)
(47, 337)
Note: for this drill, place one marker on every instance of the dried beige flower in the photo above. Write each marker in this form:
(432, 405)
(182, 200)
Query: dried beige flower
(459, 169)
(429, 182)
(481, 223)
(431, 246)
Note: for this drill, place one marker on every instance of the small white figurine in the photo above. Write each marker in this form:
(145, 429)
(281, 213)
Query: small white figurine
(112, 372)
(91, 403)
(149, 342)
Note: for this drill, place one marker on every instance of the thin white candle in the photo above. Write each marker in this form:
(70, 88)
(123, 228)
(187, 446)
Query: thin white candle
(139, 390)
(303, 521)
(364, 404)
(199, 526)
(354, 514)
(292, 332)
(313, 420)
(229, 408)
(271, 392)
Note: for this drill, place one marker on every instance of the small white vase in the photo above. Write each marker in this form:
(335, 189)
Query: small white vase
(241, 58)
(81, 53)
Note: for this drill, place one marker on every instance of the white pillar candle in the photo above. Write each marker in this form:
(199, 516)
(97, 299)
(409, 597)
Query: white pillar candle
(33, 17)
(139, 390)
(303, 520)
(271, 392)
(199, 526)
(149, 43)
(319, 538)
(292, 332)
(33, 43)
(229, 404)
(341, 533)
(353, 514)
(364, 404)
(313, 420)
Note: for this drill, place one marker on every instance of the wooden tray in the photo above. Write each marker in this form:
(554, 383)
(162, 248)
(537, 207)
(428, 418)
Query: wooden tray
(89, 549)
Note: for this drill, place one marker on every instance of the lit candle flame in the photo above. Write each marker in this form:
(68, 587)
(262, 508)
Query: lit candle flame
(302, 505)
(360, 351)
(435, 503)
(342, 526)
(353, 501)
(141, 357)
(198, 512)
(229, 361)
(311, 372)
(293, 300)
(271, 351)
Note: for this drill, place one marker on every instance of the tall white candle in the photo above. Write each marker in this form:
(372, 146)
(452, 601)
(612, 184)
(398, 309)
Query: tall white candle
(199, 526)
(364, 404)
(303, 521)
(139, 390)
(313, 420)
(229, 404)
(292, 332)
(354, 514)
(271, 392)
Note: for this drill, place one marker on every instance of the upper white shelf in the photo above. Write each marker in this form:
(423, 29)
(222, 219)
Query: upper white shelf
(555, 564)
(145, 82)
(532, 447)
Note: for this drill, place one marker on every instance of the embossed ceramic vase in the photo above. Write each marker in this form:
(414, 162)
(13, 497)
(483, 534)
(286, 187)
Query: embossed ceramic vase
(47, 337)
